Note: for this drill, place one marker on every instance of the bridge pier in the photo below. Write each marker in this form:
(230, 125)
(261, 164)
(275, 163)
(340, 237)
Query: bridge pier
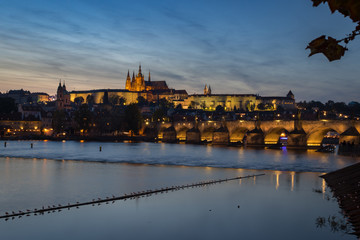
(169, 135)
(351, 135)
(193, 135)
(221, 136)
(255, 137)
(150, 133)
(297, 138)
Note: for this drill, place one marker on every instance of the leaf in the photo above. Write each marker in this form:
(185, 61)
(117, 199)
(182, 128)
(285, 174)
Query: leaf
(329, 47)
(334, 51)
(349, 8)
(317, 2)
(317, 45)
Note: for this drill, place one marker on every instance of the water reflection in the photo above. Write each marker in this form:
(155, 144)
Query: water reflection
(292, 180)
(70, 181)
(180, 154)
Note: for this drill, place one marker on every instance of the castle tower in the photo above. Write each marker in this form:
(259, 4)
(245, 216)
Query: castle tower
(128, 82)
(290, 95)
(139, 81)
(139, 70)
(205, 90)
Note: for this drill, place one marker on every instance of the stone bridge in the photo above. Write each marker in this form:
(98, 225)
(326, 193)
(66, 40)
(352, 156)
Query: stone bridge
(300, 133)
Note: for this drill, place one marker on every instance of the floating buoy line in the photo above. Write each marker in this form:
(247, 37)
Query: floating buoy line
(133, 195)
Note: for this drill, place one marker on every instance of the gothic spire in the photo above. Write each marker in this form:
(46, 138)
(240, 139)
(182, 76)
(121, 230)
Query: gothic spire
(149, 76)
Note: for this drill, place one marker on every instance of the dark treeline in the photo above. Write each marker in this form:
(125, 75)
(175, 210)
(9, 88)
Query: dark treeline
(352, 108)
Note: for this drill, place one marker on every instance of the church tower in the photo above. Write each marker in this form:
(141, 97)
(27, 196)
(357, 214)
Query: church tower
(205, 90)
(128, 81)
(62, 97)
(139, 81)
(290, 95)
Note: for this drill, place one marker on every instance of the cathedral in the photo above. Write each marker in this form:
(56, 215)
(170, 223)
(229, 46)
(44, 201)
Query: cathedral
(135, 87)
(138, 84)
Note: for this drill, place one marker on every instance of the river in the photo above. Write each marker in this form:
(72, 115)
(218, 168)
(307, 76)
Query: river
(285, 203)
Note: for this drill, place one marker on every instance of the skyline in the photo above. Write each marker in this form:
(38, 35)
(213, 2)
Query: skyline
(241, 47)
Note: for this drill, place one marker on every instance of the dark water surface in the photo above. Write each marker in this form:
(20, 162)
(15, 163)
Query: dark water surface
(279, 205)
(179, 154)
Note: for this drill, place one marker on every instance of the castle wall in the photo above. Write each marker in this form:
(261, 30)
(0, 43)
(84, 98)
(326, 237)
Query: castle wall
(130, 97)
(210, 102)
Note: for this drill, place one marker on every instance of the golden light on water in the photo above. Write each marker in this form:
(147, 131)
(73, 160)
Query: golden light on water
(292, 180)
(277, 173)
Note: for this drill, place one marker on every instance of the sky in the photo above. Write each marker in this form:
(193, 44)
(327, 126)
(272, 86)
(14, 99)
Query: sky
(235, 46)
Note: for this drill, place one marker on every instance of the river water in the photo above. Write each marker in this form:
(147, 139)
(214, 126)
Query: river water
(282, 204)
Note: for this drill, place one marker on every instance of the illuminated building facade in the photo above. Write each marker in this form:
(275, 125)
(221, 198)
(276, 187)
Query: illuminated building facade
(135, 87)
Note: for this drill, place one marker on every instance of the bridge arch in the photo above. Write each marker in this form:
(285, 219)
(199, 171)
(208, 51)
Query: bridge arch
(273, 135)
(207, 134)
(238, 134)
(316, 137)
(181, 133)
(161, 132)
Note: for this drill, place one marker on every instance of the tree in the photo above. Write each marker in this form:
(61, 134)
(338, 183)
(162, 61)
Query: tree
(90, 100)
(158, 115)
(179, 107)
(133, 118)
(59, 119)
(219, 109)
(79, 100)
(329, 46)
(165, 104)
(106, 98)
(122, 101)
(83, 117)
(261, 106)
(142, 101)
(7, 105)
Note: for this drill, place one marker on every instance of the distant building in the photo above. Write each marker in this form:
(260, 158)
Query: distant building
(62, 97)
(232, 102)
(39, 97)
(207, 90)
(138, 84)
(287, 103)
(134, 87)
(229, 102)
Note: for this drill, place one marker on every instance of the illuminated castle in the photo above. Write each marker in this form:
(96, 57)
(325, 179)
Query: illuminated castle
(135, 87)
(138, 84)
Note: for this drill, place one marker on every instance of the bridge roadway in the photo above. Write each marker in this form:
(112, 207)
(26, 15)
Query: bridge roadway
(59, 207)
(299, 132)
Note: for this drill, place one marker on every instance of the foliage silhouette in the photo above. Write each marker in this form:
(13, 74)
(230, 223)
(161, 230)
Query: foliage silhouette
(329, 46)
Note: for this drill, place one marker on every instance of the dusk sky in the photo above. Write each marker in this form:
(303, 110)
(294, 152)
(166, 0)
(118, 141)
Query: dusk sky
(236, 46)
